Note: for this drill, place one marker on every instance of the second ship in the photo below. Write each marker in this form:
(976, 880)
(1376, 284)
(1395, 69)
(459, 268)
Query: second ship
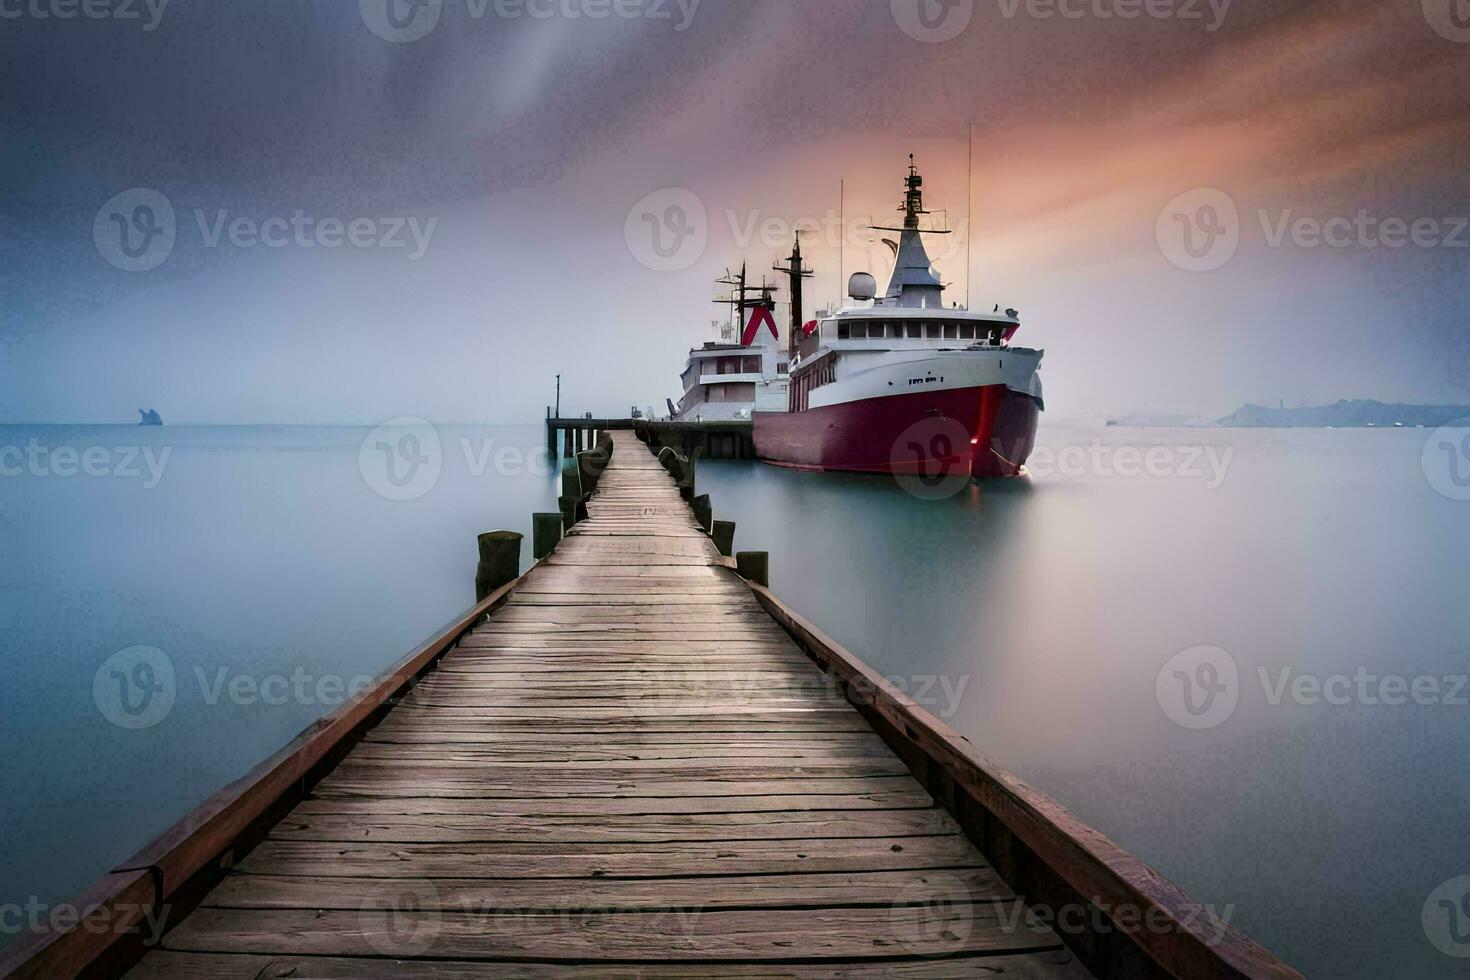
(897, 383)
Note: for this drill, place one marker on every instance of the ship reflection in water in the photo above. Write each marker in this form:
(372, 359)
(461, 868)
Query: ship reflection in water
(1037, 614)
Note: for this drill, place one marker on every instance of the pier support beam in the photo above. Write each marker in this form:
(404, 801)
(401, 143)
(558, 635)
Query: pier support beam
(754, 566)
(545, 533)
(724, 534)
(572, 510)
(703, 512)
(685, 475)
(571, 478)
(500, 561)
(590, 465)
(566, 443)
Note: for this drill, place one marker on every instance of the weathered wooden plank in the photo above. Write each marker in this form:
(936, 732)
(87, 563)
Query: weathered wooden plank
(550, 829)
(377, 784)
(570, 860)
(822, 890)
(398, 925)
(170, 965)
(890, 799)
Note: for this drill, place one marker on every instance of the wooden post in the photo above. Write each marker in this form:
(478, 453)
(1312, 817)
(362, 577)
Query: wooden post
(590, 465)
(545, 533)
(550, 436)
(566, 442)
(703, 512)
(571, 479)
(686, 476)
(500, 561)
(569, 507)
(754, 566)
(580, 436)
(724, 535)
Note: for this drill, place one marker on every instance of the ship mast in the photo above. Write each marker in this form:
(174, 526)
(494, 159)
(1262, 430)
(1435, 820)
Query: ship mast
(744, 297)
(914, 282)
(794, 273)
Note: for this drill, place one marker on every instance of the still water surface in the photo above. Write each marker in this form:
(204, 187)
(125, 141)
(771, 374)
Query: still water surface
(1036, 616)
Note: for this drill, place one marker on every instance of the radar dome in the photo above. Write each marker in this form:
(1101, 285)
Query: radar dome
(860, 286)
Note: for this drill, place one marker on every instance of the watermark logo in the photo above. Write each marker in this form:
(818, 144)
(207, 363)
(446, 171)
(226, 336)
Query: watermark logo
(931, 458)
(135, 230)
(932, 21)
(1181, 10)
(402, 458)
(1446, 917)
(1198, 688)
(401, 918)
(934, 916)
(1199, 230)
(400, 21)
(1206, 463)
(35, 458)
(90, 9)
(135, 688)
(1449, 18)
(667, 230)
(1446, 460)
(109, 918)
(1362, 230)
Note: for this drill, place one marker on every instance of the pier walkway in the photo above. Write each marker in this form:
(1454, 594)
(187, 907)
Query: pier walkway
(628, 769)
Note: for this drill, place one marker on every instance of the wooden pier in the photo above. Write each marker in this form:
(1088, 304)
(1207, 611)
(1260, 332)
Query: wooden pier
(630, 761)
(713, 440)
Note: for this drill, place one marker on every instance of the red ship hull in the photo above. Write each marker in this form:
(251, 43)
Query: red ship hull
(986, 431)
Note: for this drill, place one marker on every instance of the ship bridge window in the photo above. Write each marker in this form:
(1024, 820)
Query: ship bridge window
(913, 329)
(859, 331)
(931, 330)
(951, 331)
(967, 331)
(843, 331)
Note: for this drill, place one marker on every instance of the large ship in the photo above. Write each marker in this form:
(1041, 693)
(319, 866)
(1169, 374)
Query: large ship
(899, 383)
(724, 380)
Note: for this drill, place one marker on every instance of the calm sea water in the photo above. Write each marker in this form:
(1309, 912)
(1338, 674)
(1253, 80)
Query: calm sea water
(271, 568)
(1055, 621)
(1058, 602)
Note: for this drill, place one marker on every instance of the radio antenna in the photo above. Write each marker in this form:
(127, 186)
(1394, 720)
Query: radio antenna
(969, 204)
(841, 238)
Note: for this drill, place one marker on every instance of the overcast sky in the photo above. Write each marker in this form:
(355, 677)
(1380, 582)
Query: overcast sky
(331, 214)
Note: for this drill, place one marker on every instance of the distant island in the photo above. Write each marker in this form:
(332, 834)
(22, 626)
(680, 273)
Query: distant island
(149, 417)
(1347, 413)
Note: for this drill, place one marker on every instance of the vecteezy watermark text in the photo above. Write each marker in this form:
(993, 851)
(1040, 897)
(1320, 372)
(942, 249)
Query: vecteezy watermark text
(1201, 687)
(1206, 463)
(1215, 11)
(1201, 230)
(403, 458)
(137, 230)
(307, 231)
(97, 919)
(406, 21)
(149, 13)
(34, 458)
